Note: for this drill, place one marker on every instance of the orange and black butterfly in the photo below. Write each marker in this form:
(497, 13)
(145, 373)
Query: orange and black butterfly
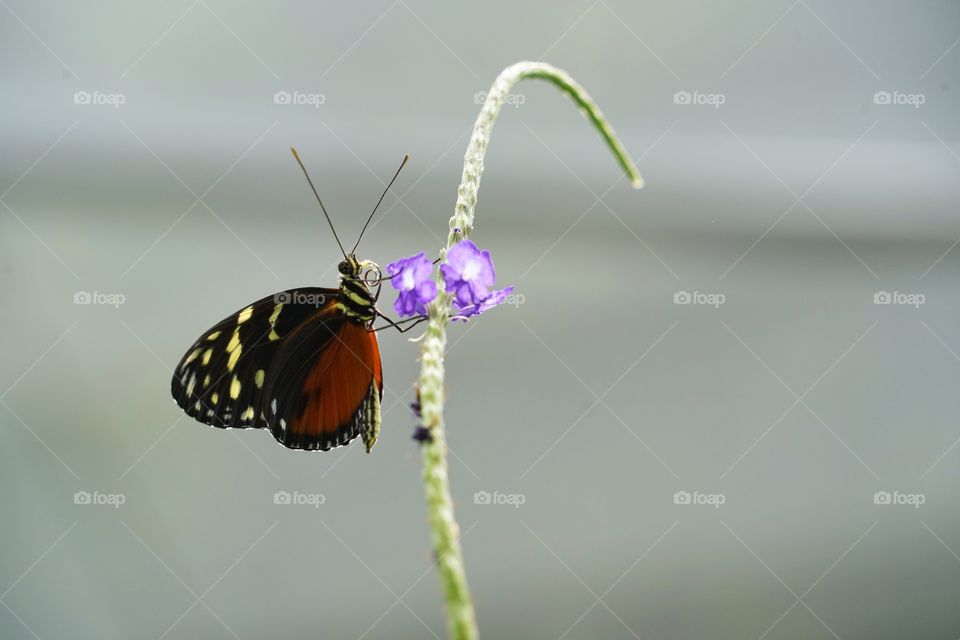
(303, 363)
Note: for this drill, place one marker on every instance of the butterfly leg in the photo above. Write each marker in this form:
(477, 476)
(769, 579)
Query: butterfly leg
(397, 324)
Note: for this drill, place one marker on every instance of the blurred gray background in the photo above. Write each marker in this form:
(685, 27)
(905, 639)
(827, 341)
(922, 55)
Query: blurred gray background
(144, 155)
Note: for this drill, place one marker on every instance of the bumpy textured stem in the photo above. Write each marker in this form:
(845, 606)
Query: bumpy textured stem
(446, 533)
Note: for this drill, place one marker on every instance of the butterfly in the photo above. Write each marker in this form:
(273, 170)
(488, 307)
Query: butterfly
(303, 363)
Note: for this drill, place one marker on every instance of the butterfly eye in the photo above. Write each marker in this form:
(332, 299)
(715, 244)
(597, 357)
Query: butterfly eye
(344, 267)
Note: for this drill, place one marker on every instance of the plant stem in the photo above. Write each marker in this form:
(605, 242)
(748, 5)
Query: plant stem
(461, 619)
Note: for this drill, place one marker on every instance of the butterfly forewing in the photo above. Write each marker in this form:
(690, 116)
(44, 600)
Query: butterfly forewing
(221, 377)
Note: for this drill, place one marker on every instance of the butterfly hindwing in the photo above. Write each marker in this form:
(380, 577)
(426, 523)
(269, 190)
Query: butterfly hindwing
(326, 386)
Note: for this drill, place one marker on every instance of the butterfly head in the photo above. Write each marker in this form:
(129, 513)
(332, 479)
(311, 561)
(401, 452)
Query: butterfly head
(355, 298)
(349, 267)
(353, 269)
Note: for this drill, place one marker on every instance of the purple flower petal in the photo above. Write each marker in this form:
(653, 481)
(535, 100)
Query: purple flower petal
(469, 276)
(495, 298)
(468, 273)
(427, 290)
(468, 264)
(411, 277)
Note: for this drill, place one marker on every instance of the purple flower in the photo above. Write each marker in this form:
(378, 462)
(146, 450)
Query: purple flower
(411, 277)
(469, 276)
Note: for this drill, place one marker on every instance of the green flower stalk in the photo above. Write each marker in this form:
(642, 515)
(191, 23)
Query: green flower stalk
(461, 619)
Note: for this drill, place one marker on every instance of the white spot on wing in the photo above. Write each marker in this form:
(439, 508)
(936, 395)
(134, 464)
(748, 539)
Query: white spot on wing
(190, 358)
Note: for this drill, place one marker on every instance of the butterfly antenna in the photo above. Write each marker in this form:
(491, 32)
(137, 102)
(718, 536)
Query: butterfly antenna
(382, 196)
(323, 208)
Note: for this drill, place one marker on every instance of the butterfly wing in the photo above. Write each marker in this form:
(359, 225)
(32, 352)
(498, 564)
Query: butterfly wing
(220, 375)
(274, 362)
(325, 386)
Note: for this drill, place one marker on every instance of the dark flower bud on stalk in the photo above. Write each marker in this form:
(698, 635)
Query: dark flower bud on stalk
(421, 434)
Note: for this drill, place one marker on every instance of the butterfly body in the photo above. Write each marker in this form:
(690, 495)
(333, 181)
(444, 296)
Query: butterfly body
(303, 363)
